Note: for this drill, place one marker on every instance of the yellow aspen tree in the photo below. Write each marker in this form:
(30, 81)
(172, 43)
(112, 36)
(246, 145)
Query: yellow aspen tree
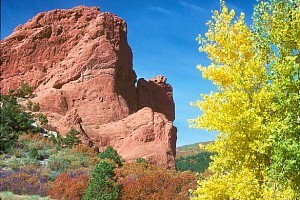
(277, 27)
(242, 109)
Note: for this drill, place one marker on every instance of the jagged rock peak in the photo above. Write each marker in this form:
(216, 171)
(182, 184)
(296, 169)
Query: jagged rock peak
(80, 65)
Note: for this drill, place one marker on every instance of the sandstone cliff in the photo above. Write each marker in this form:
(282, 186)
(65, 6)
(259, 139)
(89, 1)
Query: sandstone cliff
(80, 65)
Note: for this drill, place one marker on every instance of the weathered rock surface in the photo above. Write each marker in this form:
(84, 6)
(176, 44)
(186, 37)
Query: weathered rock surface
(156, 94)
(69, 56)
(144, 134)
(80, 65)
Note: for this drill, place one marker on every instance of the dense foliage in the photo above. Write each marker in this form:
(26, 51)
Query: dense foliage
(35, 162)
(111, 154)
(24, 90)
(195, 163)
(102, 186)
(27, 180)
(71, 138)
(61, 168)
(146, 181)
(256, 107)
(69, 186)
(278, 23)
(14, 122)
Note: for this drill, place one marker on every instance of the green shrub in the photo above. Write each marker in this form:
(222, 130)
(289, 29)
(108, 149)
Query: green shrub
(57, 140)
(15, 163)
(141, 160)
(10, 196)
(44, 154)
(24, 90)
(112, 154)
(195, 163)
(38, 154)
(67, 160)
(42, 118)
(35, 107)
(29, 105)
(37, 141)
(18, 152)
(72, 138)
(101, 185)
(58, 163)
(33, 153)
(2, 160)
(14, 122)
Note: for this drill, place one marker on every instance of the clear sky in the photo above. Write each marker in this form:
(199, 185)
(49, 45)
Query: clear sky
(162, 36)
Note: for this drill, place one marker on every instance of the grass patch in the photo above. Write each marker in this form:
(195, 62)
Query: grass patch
(11, 196)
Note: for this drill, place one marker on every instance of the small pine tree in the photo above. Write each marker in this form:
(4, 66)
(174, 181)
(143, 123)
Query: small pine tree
(102, 186)
(71, 138)
(14, 122)
(112, 154)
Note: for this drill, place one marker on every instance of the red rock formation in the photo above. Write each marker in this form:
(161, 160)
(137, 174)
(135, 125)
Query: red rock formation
(69, 56)
(144, 134)
(80, 65)
(156, 94)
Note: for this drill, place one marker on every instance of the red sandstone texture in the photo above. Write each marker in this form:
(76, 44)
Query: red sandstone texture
(80, 65)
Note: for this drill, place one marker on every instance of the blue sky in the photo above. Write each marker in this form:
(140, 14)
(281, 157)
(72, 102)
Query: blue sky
(162, 37)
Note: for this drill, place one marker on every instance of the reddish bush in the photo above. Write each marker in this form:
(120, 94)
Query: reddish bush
(69, 186)
(144, 181)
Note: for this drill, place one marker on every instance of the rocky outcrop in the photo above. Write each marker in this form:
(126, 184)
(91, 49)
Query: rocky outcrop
(156, 94)
(68, 56)
(144, 134)
(80, 65)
